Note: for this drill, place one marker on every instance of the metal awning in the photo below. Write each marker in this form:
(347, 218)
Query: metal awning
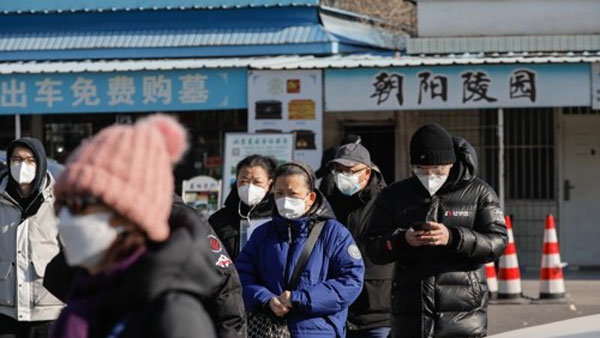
(373, 61)
(165, 38)
(502, 44)
(45, 7)
(283, 63)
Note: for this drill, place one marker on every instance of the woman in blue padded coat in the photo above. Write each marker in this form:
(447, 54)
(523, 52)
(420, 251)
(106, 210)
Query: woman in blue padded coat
(333, 275)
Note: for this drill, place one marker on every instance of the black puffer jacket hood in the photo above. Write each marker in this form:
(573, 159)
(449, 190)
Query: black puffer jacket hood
(375, 185)
(464, 169)
(321, 210)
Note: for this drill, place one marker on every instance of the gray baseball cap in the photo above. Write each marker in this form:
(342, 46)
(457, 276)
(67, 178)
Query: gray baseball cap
(352, 154)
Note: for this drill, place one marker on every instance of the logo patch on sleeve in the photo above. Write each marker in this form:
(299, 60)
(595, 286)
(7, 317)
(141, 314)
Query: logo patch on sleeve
(223, 261)
(354, 252)
(214, 243)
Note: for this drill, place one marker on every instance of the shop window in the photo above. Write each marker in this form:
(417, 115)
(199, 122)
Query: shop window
(206, 136)
(62, 138)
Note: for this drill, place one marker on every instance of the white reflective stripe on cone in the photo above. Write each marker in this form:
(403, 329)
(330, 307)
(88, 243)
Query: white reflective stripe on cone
(510, 286)
(509, 261)
(493, 284)
(511, 238)
(552, 286)
(550, 236)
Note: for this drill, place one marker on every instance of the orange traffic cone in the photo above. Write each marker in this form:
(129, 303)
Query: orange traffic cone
(492, 281)
(509, 276)
(552, 280)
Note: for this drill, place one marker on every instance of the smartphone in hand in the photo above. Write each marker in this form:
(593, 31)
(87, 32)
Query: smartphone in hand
(418, 226)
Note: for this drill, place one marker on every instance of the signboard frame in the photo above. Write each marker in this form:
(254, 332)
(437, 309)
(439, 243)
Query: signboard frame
(289, 101)
(240, 145)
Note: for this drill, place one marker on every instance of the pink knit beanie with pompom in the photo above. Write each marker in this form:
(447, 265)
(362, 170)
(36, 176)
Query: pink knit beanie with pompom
(129, 168)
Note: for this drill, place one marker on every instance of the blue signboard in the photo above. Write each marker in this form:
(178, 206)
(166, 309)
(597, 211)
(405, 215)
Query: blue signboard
(193, 89)
(457, 87)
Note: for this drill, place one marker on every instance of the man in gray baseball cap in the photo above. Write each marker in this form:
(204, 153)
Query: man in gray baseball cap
(357, 185)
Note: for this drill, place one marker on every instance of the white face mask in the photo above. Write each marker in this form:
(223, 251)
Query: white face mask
(22, 172)
(86, 238)
(251, 194)
(432, 183)
(348, 184)
(291, 208)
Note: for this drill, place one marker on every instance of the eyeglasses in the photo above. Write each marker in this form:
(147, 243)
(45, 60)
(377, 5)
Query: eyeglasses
(78, 203)
(19, 160)
(430, 169)
(346, 171)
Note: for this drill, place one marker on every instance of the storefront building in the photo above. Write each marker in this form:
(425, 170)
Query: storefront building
(529, 104)
(71, 68)
(532, 119)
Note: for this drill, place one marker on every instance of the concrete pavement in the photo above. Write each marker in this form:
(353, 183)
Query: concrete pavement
(583, 299)
(580, 327)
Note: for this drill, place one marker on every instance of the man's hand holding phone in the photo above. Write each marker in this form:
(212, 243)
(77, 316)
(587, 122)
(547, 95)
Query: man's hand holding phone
(427, 233)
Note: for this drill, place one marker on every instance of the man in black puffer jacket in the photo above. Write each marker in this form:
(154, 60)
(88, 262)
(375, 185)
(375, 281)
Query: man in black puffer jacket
(439, 226)
(356, 186)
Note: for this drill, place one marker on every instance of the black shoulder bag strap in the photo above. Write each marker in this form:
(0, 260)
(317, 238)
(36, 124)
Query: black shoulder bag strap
(306, 251)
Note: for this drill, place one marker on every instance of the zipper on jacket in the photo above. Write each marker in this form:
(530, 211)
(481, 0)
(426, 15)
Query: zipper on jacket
(288, 257)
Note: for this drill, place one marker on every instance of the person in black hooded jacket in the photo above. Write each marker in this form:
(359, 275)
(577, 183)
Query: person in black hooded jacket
(250, 203)
(439, 226)
(357, 184)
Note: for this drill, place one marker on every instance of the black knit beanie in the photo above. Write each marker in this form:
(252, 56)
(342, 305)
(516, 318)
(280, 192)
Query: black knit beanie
(432, 145)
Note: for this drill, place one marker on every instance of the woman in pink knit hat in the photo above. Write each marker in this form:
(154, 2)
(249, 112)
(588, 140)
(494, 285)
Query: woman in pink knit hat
(138, 278)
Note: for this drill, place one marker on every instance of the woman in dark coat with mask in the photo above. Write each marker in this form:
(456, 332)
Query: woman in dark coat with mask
(250, 203)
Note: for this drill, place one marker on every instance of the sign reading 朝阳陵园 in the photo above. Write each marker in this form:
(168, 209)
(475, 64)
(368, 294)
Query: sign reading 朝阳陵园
(457, 87)
(55, 93)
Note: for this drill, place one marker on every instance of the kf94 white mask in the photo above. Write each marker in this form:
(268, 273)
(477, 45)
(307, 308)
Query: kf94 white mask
(251, 194)
(347, 184)
(86, 238)
(432, 183)
(291, 208)
(22, 172)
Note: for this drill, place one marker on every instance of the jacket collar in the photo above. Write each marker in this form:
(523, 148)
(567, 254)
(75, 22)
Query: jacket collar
(298, 227)
(46, 188)
(263, 209)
